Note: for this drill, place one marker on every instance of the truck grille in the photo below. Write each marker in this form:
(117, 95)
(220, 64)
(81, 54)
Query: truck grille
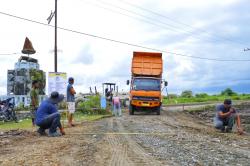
(143, 98)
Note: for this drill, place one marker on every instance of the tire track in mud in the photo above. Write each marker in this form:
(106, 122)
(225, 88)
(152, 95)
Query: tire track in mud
(118, 147)
(124, 150)
(137, 154)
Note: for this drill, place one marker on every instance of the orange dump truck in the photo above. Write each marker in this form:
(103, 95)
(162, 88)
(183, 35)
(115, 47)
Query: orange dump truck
(146, 82)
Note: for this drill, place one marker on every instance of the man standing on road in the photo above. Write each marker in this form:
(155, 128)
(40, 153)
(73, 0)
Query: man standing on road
(71, 101)
(226, 115)
(48, 117)
(34, 96)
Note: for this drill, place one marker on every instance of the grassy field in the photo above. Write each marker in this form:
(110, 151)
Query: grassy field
(213, 98)
(26, 123)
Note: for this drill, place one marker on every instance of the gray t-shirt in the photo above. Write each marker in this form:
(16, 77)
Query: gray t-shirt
(222, 108)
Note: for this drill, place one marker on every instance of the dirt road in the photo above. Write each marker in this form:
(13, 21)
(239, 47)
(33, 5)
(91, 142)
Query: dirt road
(173, 138)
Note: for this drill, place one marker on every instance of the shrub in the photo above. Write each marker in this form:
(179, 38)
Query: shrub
(228, 92)
(187, 94)
(62, 105)
(201, 95)
(172, 96)
(236, 98)
(91, 106)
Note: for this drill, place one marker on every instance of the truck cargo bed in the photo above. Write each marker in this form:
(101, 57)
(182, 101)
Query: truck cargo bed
(147, 64)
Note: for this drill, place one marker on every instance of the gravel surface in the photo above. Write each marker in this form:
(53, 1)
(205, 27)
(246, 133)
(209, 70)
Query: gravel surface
(173, 138)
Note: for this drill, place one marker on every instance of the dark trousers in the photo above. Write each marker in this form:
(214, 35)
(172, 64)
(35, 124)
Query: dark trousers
(51, 122)
(221, 123)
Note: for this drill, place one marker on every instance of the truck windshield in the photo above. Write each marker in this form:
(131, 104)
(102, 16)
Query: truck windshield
(146, 84)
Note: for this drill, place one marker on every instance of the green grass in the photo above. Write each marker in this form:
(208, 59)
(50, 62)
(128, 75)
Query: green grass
(214, 98)
(26, 123)
(79, 117)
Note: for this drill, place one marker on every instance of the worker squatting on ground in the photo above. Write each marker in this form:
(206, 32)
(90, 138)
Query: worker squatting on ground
(48, 117)
(71, 101)
(226, 115)
(34, 95)
(116, 106)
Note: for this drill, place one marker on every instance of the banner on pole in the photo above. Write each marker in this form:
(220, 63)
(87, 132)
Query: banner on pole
(57, 81)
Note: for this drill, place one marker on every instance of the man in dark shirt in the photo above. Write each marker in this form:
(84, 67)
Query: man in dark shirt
(48, 117)
(226, 115)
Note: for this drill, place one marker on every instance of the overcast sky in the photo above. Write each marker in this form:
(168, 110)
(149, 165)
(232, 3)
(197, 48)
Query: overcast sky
(207, 29)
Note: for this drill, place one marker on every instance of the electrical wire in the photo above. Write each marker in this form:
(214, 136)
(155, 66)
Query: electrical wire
(122, 42)
(148, 19)
(163, 24)
(130, 16)
(10, 53)
(180, 23)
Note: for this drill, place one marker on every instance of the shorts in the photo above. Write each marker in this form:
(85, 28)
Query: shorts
(71, 107)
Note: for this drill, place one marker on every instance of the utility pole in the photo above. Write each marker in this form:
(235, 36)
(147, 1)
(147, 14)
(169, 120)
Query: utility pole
(55, 51)
(52, 14)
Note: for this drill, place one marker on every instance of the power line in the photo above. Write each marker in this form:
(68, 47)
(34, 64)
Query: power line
(174, 28)
(136, 18)
(180, 23)
(9, 53)
(164, 25)
(122, 42)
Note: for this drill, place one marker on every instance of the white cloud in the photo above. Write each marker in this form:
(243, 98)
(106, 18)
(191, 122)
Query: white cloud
(93, 61)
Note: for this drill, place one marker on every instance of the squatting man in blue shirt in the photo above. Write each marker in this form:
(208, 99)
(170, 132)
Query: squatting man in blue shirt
(226, 115)
(48, 117)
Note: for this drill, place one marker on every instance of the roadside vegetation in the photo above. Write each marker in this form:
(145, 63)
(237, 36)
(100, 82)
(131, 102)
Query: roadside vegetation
(87, 110)
(187, 96)
(26, 123)
(91, 106)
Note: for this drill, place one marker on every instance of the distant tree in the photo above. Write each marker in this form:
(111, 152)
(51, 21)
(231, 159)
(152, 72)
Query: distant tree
(201, 95)
(187, 94)
(228, 92)
(172, 96)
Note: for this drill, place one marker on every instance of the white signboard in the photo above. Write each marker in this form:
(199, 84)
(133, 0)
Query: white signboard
(57, 81)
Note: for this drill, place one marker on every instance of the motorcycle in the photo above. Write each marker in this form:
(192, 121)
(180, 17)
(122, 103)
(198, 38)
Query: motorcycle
(7, 112)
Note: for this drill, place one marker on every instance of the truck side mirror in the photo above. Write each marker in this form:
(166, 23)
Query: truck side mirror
(128, 82)
(165, 83)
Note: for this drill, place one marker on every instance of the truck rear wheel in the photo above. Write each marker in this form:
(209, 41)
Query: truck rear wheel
(131, 110)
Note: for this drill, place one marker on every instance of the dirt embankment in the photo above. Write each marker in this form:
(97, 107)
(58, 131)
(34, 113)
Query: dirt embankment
(173, 138)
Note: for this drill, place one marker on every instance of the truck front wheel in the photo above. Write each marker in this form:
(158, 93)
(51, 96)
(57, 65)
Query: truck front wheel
(158, 110)
(131, 110)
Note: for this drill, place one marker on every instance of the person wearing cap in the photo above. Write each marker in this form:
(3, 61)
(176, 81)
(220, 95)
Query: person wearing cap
(71, 100)
(48, 117)
(34, 96)
(226, 116)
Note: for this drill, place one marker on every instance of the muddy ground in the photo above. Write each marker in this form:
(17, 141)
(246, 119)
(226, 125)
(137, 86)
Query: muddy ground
(173, 138)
